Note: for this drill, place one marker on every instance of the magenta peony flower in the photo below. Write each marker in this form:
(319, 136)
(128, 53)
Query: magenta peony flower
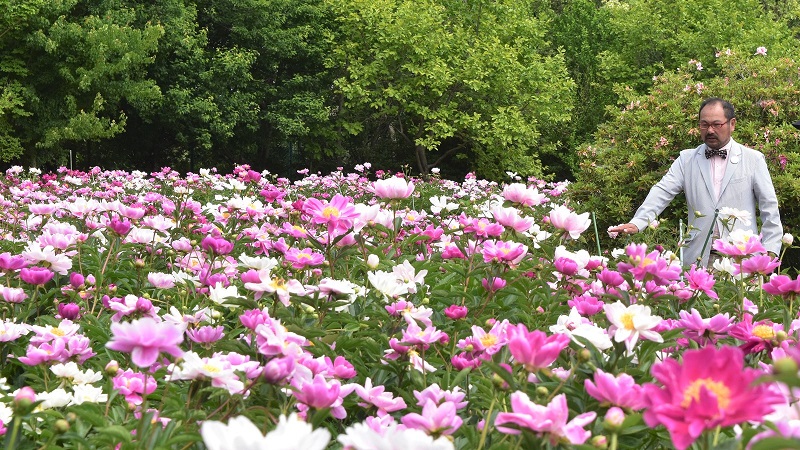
(701, 280)
(620, 390)
(534, 349)
(70, 311)
(710, 388)
(550, 420)
(758, 336)
(36, 275)
(494, 284)
(145, 338)
(455, 312)
(217, 246)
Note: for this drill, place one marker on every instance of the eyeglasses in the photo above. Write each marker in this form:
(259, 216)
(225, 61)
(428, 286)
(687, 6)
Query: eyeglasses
(716, 126)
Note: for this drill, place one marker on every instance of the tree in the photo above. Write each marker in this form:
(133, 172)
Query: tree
(458, 77)
(69, 69)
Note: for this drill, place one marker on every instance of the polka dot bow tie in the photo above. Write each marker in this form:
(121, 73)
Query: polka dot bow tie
(722, 153)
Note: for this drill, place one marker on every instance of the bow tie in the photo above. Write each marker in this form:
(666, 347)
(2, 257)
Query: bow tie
(722, 153)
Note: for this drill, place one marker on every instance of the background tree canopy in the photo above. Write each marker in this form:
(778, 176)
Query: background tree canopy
(603, 92)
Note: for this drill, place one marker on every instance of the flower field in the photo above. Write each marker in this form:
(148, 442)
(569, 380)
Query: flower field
(369, 310)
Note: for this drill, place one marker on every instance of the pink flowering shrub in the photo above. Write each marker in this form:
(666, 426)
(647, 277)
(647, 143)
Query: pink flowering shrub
(371, 310)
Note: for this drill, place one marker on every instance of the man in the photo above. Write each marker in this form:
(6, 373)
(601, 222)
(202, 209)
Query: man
(720, 173)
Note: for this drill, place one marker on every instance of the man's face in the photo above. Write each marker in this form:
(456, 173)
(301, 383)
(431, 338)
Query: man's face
(715, 128)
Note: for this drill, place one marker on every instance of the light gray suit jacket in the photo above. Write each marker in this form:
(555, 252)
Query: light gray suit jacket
(746, 184)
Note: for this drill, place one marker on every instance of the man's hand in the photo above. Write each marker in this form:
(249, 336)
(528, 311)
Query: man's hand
(627, 228)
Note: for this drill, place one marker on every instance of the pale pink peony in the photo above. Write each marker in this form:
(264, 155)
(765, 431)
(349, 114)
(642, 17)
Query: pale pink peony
(145, 338)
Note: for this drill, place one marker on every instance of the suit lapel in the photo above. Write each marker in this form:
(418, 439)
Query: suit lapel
(705, 171)
(732, 164)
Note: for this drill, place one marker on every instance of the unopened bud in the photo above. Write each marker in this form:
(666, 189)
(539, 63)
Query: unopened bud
(373, 261)
(542, 391)
(785, 366)
(614, 418)
(787, 239)
(781, 335)
(61, 426)
(584, 355)
(112, 368)
(599, 441)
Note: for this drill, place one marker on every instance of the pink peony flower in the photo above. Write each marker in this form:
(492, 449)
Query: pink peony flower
(740, 248)
(704, 331)
(710, 389)
(534, 349)
(524, 196)
(701, 280)
(392, 188)
(620, 390)
(436, 419)
(317, 393)
(36, 275)
(133, 385)
(572, 223)
(505, 252)
(757, 337)
(511, 218)
(145, 338)
(550, 420)
(782, 285)
(217, 246)
(455, 312)
(649, 266)
(758, 264)
(338, 214)
(494, 284)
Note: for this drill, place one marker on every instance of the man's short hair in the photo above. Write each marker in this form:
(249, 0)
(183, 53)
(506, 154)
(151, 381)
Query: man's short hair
(727, 108)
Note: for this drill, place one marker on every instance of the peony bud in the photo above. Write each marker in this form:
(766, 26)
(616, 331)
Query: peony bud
(787, 239)
(373, 261)
(614, 418)
(785, 365)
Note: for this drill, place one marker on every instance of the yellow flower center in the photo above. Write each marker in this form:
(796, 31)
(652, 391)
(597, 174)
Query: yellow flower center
(330, 211)
(277, 283)
(57, 332)
(211, 369)
(764, 332)
(692, 393)
(627, 321)
(488, 340)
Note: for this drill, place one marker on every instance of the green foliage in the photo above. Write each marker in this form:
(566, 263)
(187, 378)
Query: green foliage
(636, 147)
(451, 76)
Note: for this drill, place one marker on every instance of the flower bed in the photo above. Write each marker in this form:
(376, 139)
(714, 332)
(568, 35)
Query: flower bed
(373, 311)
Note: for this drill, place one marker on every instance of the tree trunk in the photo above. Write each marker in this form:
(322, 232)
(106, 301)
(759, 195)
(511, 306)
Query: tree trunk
(422, 160)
